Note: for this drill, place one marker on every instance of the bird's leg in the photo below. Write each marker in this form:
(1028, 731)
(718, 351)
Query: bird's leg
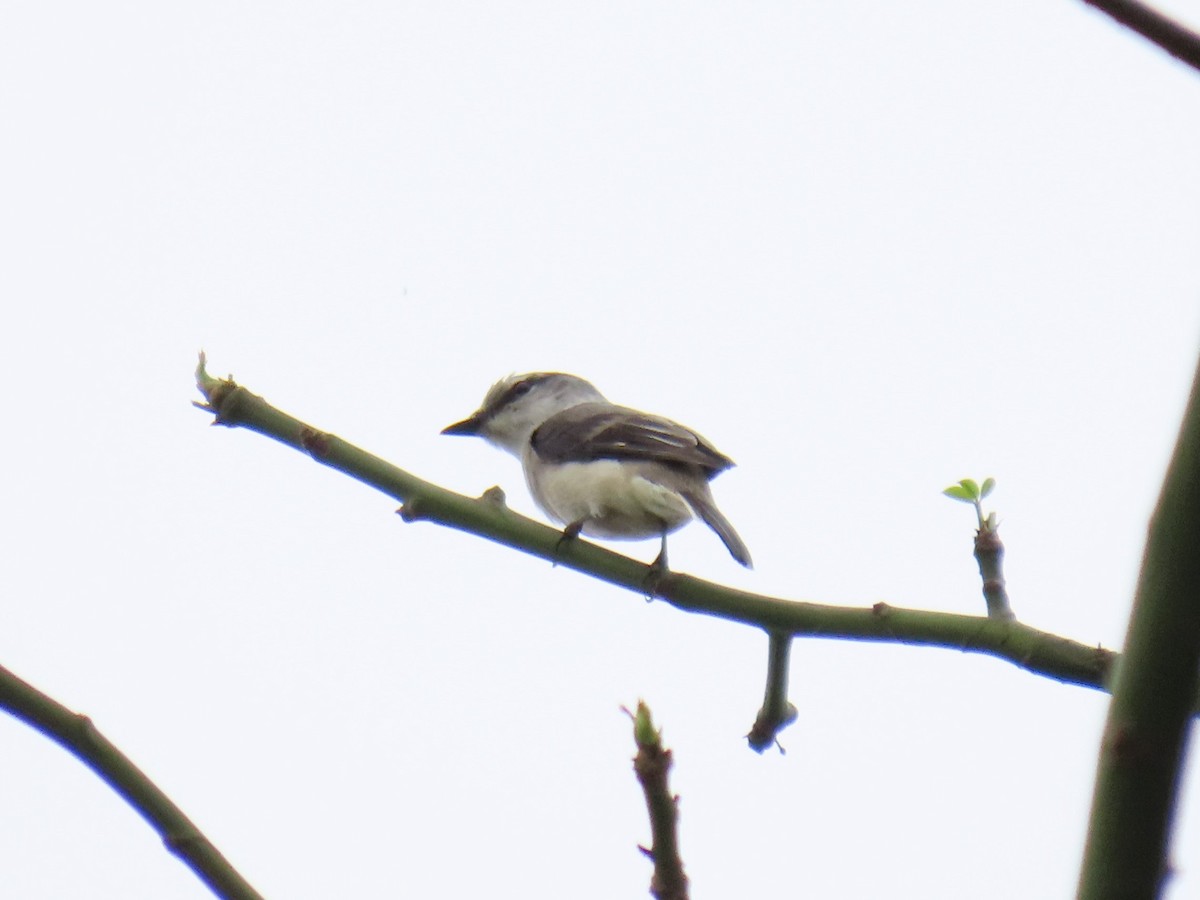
(569, 534)
(660, 561)
(658, 570)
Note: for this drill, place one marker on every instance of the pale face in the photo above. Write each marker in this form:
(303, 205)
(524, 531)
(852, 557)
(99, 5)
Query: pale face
(517, 405)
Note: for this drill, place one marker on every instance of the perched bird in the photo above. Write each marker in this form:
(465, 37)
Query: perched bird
(604, 470)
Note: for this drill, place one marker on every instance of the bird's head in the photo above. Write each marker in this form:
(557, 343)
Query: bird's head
(515, 406)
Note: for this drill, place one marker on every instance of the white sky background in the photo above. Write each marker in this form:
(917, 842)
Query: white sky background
(867, 248)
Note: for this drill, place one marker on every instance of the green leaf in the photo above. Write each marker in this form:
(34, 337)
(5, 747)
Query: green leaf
(958, 492)
(988, 485)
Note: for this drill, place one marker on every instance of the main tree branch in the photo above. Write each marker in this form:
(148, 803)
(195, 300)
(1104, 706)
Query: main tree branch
(1036, 651)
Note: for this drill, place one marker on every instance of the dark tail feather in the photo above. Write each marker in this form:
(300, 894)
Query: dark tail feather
(713, 518)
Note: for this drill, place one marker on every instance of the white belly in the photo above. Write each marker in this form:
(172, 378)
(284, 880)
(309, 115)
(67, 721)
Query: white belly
(611, 498)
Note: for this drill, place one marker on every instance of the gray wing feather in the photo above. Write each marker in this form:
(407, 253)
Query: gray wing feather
(602, 431)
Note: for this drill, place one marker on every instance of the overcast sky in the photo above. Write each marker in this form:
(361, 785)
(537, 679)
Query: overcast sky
(866, 248)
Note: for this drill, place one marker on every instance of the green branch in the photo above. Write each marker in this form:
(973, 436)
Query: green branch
(776, 712)
(1031, 649)
(1153, 694)
(77, 734)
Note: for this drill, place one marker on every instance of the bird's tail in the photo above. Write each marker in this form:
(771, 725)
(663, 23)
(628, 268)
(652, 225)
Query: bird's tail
(707, 510)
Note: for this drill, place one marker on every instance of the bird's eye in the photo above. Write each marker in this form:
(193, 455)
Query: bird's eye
(518, 390)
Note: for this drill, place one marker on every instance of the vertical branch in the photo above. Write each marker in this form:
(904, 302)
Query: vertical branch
(776, 713)
(989, 554)
(1153, 693)
(989, 549)
(652, 763)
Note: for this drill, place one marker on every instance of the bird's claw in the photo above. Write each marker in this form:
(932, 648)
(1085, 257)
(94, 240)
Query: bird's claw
(569, 534)
(656, 573)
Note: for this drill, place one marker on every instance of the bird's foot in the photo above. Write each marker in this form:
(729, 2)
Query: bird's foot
(656, 573)
(570, 533)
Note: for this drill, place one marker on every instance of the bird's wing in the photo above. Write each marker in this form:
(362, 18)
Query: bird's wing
(592, 431)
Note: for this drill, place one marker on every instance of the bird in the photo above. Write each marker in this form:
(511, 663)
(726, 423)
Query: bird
(603, 470)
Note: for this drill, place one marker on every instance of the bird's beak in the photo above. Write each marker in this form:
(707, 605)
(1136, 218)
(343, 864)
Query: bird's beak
(469, 426)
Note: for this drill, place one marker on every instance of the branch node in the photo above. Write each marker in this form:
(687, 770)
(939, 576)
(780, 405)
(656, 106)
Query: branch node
(184, 844)
(87, 729)
(217, 393)
(495, 497)
(315, 443)
(411, 510)
(764, 734)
